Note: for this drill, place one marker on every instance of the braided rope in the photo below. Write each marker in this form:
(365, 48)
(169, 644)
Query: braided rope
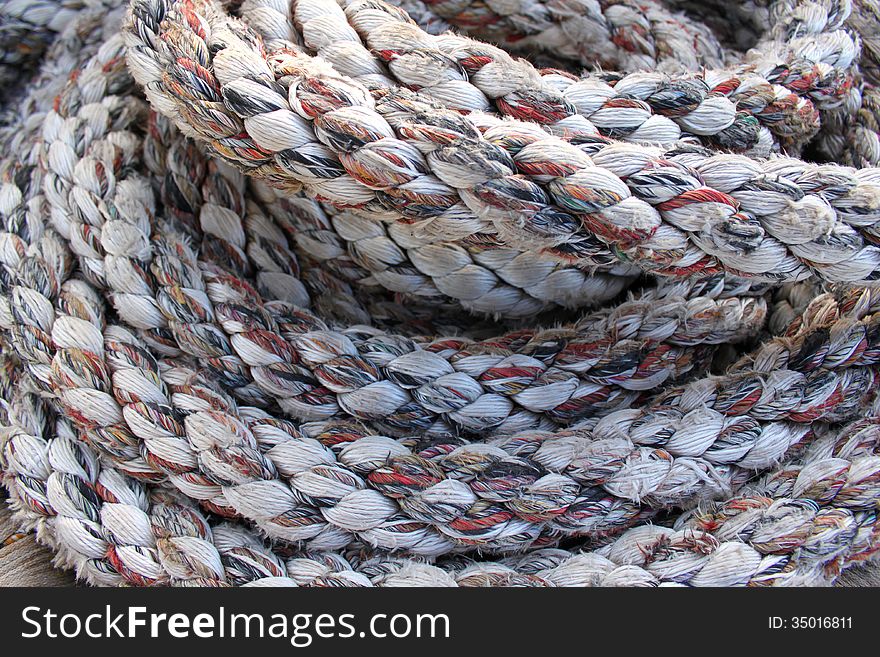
(799, 527)
(202, 432)
(26, 29)
(420, 259)
(619, 35)
(849, 135)
(105, 525)
(825, 232)
(476, 270)
(839, 473)
(95, 517)
(852, 137)
(727, 105)
(752, 107)
(68, 364)
(304, 372)
(270, 359)
(117, 349)
(480, 574)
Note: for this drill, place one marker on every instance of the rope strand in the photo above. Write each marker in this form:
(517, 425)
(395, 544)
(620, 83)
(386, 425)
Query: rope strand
(255, 365)
(650, 218)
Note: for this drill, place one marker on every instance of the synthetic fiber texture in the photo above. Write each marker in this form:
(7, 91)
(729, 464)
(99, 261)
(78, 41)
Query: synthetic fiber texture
(343, 293)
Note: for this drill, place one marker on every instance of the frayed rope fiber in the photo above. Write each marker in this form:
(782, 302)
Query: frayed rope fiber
(321, 293)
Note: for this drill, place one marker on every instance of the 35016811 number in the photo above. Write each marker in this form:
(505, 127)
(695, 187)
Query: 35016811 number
(810, 623)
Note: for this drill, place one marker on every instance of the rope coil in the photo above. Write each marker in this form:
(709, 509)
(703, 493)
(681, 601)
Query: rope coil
(206, 371)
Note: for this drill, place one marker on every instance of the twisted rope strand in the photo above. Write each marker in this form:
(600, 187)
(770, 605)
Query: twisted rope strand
(39, 264)
(478, 269)
(120, 350)
(418, 457)
(292, 357)
(619, 35)
(94, 517)
(852, 135)
(222, 443)
(452, 268)
(117, 370)
(103, 524)
(55, 488)
(748, 540)
(735, 108)
(777, 247)
(134, 380)
(762, 538)
(815, 67)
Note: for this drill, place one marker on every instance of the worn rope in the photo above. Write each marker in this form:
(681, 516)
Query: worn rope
(26, 30)
(307, 373)
(210, 378)
(805, 543)
(849, 135)
(770, 101)
(625, 35)
(68, 331)
(105, 525)
(655, 220)
(852, 135)
(476, 269)
(208, 430)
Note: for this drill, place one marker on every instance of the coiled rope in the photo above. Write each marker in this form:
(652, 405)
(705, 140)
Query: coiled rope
(234, 312)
